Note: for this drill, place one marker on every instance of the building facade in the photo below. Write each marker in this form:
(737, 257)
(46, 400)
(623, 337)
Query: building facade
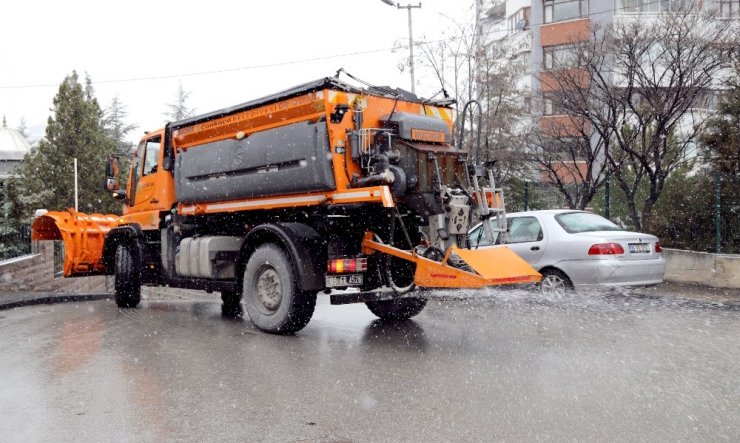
(13, 148)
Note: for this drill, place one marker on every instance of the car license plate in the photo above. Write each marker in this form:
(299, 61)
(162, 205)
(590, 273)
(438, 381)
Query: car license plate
(639, 248)
(333, 281)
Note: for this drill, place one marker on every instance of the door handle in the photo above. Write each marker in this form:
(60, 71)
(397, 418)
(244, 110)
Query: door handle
(535, 248)
(154, 200)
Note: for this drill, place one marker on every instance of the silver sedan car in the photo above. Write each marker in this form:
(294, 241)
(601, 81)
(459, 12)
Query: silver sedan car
(580, 250)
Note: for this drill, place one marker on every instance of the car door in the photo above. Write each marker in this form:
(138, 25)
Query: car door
(527, 237)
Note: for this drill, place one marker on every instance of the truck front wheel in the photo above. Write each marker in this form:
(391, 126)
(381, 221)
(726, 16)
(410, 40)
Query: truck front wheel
(397, 309)
(272, 297)
(128, 282)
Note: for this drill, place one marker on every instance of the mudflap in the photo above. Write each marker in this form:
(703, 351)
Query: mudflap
(83, 236)
(492, 266)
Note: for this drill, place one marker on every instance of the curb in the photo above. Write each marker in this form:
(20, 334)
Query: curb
(51, 299)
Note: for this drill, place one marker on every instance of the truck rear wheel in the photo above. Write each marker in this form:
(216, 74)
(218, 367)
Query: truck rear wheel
(397, 309)
(128, 282)
(272, 297)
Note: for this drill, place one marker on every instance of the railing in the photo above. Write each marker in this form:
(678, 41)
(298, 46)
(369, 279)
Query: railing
(15, 241)
(58, 258)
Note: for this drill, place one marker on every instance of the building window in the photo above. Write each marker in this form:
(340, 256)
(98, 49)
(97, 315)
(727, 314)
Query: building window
(655, 6)
(551, 105)
(519, 21)
(637, 6)
(559, 10)
(729, 8)
(563, 56)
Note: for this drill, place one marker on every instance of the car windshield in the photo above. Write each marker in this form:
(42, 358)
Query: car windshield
(575, 222)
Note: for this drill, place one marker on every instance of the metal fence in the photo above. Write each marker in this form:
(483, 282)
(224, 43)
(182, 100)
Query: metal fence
(530, 196)
(58, 258)
(696, 211)
(15, 241)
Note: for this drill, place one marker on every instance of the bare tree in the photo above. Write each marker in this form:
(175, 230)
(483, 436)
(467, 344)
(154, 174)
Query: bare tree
(638, 86)
(454, 63)
(470, 68)
(568, 159)
(506, 120)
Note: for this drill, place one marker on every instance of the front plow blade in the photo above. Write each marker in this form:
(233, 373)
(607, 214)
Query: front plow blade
(83, 236)
(493, 266)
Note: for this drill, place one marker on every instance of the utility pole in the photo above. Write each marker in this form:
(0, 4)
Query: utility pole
(411, 38)
(77, 206)
(607, 194)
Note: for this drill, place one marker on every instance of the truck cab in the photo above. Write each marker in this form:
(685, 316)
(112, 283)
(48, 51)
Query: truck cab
(150, 189)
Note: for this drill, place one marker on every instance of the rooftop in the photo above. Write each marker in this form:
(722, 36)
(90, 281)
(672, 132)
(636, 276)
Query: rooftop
(13, 146)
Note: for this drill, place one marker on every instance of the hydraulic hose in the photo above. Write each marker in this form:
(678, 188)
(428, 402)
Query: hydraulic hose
(387, 268)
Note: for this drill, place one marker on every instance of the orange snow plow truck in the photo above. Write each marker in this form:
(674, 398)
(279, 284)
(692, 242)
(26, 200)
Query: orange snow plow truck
(325, 186)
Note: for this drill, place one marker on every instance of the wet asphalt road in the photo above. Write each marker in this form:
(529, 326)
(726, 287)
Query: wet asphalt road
(512, 367)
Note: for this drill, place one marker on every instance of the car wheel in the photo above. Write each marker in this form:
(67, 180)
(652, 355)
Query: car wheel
(398, 309)
(272, 298)
(555, 283)
(128, 282)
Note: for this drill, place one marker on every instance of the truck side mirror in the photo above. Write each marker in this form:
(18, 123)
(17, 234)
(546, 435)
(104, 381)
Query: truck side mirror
(111, 167)
(111, 183)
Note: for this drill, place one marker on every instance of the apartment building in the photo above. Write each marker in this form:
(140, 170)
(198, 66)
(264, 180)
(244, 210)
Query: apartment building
(558, 26)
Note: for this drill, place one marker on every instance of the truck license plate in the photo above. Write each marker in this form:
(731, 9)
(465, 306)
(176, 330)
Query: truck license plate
(639, 248)
(333, 281)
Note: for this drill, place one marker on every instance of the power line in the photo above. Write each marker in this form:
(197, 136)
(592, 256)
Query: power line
(215, 71)
(504, 32)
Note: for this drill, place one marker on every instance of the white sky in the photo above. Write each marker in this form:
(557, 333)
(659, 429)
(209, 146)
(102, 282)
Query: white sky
(43, 41)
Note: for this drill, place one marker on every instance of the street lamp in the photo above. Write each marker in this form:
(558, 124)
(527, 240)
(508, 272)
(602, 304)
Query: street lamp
(411, 37)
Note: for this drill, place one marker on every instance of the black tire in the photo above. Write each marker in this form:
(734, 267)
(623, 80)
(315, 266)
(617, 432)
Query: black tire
(232, 306)
(128, 278)
(554, 283)
(231, 298)
(272, 298)
(398, 309)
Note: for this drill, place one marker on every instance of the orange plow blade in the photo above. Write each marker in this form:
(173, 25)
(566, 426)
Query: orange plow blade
(83, 236)
(493, 266)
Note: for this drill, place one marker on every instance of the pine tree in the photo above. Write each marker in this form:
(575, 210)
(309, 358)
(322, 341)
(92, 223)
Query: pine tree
(179, 110)
(46, 179)
(89, 90)
(23, 128)
(114, 123)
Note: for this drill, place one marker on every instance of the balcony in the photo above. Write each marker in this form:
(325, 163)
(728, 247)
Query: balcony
(561, 33)
(564, 79)
(561, 126)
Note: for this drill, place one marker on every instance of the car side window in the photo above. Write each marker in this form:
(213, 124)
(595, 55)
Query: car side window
(478, 238)
(524, 229)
